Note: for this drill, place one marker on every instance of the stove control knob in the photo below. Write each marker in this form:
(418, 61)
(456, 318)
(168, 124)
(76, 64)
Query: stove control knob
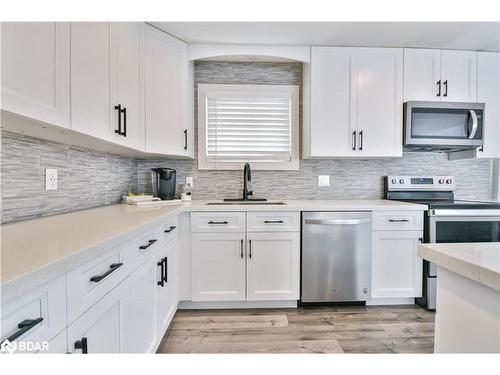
(394, 181)
(441, 181)
(449, 181)
(402, 181)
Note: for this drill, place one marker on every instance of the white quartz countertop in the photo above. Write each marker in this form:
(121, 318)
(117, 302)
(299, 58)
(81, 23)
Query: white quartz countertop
(56, 244)
(479, 262)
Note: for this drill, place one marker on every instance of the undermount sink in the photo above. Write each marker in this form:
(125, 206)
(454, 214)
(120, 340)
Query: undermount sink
(249, 202)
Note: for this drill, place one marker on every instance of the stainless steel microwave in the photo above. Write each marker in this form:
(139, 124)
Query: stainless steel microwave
(443, 126)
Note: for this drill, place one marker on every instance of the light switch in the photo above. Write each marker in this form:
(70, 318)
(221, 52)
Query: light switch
(189, 181)
(50, 179)
(323, 180)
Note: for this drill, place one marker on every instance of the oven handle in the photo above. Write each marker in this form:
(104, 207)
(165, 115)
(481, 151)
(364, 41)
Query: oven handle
(473, 116)
(337, 221)
(464, 213)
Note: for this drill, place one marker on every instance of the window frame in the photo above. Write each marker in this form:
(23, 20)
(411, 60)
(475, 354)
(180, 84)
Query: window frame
(204, 90)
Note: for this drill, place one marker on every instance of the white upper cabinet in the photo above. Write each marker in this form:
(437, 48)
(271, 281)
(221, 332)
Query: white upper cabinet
(356, 95)
(488, 92)
(446, 75)
(166, 92)
(106, 82)
(422, 74)
(90, 79)
(459, 76)
(35, 70)
(127, 88)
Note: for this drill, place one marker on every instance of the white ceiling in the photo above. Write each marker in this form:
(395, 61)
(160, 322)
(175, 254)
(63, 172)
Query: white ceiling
(484, 36)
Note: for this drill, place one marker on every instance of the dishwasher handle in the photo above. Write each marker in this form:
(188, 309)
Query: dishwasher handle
(337, 221)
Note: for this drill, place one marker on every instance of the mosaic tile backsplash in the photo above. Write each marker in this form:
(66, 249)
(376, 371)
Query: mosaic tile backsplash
(89, 178)
(86, 178)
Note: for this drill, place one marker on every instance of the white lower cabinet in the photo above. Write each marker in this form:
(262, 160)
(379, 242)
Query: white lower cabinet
(396, 267)
(273, 266)
(104, 327)
(218, 267)
(165, 285)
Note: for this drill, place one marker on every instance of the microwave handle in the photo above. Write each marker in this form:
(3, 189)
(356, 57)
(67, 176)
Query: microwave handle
(473, 116)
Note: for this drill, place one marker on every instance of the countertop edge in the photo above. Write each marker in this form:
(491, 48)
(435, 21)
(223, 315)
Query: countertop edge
(474, 272)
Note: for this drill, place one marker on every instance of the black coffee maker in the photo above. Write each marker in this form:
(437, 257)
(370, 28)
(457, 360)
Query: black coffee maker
(163, 183)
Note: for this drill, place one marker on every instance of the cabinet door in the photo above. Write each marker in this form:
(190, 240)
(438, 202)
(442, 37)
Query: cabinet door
(90, 78)
(104, 325)
(379, 116)
(273, 266)
(396, 267)
(141, 335)
(126, 81)
(333, 95)
(218, 267)
(166, 77)
(35, 70)
(166, 304)
(488, 92)
(422, 74)
(459, 75)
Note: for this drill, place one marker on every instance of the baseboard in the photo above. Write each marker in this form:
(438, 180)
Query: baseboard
(192, 305)
(390, 301)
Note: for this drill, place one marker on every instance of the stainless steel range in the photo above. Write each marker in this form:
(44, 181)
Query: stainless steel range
(447, 220)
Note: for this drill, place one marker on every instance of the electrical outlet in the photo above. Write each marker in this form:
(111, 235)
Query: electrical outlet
(323, 180)
(189, 181)
(50, 179)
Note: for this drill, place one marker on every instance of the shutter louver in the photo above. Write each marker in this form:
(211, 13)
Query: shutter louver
(248, 128)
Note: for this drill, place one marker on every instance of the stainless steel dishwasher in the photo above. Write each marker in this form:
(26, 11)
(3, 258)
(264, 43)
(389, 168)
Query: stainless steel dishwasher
(336, 256)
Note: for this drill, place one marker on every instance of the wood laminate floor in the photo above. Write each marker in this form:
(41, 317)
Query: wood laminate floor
(387, 329)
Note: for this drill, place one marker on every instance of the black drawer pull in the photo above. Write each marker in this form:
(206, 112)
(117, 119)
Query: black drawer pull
(162, 269)
(273, 221)
(185, 139)
(171, 229)
(399, 220)
(144, 247)
(165, 264)
(82, 344)
(218, 222)
(112, 268)
(24, 327)
(124, 111)
(119, 109)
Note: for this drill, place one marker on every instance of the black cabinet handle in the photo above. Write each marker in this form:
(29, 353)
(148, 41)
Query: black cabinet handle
(185, 139)
(354, 140)
(112, 268)
(218, 222)
(250, 249)
(399, 220)
(273, 221)
(241, 249)
(144, 247)
(24, 327)
(124, 110)
(438, 83)
(445, 88)
(162, 269)
(361, 140)
(170, 229)
(82, 344)
(165, 265)
(119, 109)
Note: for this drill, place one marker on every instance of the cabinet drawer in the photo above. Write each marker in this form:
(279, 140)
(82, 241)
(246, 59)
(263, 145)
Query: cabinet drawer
(36, 317)
(218, 222)
(273, 221)
(91, 281)
(398, 220)
(142, 247)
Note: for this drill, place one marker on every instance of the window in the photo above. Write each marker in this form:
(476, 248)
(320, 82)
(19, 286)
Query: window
(258, 124)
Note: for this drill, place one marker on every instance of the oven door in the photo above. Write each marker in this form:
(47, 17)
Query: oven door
(455, 226)
(443, 125)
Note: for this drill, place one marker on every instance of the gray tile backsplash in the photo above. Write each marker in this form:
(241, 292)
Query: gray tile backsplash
(89, 178)
(86, 178)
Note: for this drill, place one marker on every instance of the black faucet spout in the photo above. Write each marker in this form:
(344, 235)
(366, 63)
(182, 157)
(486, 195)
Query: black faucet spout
(247, 176)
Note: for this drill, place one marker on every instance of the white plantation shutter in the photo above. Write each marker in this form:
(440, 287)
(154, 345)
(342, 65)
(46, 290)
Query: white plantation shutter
(248, 128)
